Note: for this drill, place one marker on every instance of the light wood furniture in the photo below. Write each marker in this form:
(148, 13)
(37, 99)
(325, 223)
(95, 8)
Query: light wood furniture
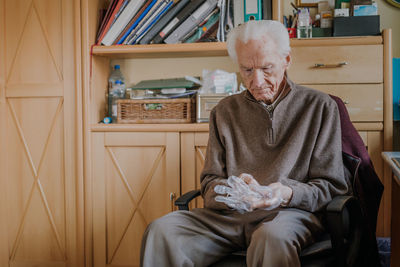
(136, 181)
(126, 165)
(41, 214)
(395, 201)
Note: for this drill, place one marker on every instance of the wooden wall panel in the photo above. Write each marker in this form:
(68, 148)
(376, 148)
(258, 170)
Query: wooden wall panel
(37, 99)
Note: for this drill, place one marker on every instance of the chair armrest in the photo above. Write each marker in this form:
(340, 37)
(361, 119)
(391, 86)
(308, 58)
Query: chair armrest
(343, 216)
(183, 201)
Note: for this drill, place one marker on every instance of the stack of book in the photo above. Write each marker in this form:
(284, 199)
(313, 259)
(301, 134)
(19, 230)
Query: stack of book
(164, 88)
(175, 21)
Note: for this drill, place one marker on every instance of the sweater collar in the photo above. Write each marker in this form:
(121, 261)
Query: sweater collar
(289, 85)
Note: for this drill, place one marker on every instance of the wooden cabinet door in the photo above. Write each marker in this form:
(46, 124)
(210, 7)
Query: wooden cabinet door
(375, 148)
(134, 177)
(193, 152)
(38, 134)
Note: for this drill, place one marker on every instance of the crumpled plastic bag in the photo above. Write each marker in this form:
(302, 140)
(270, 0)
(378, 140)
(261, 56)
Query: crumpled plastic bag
(218, 82)
(242, 194)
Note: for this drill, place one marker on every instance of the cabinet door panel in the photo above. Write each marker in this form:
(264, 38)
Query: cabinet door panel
(193, 151)
(38, 90)
(375, 145)
(133, 181)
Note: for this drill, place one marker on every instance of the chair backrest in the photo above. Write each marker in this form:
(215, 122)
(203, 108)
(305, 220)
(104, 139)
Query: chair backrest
(352, 217)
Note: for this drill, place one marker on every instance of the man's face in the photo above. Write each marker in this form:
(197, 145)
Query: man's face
(262, 68)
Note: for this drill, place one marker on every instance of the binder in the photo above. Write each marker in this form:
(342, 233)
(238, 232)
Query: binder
(238, 12)
(267, 9)
(123, 19)
(194, 19)
(134, 21)
(221, 22)
(149, 12)
(252, 10)
(152, 21)
(226, 22)
(163, 21)
(174, 23)
(203, 28)
(106, 19)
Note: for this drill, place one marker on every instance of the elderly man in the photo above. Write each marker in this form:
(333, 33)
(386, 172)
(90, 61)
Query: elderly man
(286, 136)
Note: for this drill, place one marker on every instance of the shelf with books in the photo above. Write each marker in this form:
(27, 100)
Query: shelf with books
(208, 49)
(162, 50)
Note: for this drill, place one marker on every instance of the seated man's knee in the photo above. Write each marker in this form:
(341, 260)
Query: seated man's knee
(274, 235)
(165, 224)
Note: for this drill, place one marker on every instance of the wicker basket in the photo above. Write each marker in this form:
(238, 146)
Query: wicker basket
(180, 110)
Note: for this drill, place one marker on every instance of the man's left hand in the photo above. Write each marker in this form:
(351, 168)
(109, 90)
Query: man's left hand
(279, 193)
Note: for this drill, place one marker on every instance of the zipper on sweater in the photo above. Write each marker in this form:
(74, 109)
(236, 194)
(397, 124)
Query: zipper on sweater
(269, 109)
(270, 130)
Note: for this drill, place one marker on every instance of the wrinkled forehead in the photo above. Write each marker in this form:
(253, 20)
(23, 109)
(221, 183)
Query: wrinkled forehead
(260, 50)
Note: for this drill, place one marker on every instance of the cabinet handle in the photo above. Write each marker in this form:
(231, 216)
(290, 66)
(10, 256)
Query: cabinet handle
(172, 196)
(322, 65)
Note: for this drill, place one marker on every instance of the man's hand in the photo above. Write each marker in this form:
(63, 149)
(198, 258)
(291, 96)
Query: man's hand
(279, 192)
(272, 194)
(245, 194)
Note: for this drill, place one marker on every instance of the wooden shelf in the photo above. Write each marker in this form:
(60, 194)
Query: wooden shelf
(155, 127)
(213, 49)
(162, 50)
(334, 41)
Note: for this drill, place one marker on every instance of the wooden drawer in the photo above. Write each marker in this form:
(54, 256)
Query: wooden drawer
(364, 64)
(364, 102)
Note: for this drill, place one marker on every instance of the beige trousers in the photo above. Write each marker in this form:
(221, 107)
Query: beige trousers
(202, 237)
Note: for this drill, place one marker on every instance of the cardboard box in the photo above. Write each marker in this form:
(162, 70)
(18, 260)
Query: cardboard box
(205, 103)
(356, 26)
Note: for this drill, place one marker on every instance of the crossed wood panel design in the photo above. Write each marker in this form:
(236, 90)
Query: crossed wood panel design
(200, 154)
(33, 13)
(36, 183)
(131, 194)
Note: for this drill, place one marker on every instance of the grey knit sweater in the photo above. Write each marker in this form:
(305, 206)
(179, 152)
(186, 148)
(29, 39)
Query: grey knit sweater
(296, 140)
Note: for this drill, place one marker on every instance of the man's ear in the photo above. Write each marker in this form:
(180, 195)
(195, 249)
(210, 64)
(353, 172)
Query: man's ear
(288, 60)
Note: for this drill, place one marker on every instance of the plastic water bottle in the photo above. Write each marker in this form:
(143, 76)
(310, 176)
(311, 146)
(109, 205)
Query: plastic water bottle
(112, 94)
(304, 28)
(115, 75)
(117, 92)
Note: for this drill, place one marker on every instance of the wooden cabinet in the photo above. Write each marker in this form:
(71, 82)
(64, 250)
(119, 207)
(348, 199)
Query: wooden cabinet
(135, 180)
(41, 210)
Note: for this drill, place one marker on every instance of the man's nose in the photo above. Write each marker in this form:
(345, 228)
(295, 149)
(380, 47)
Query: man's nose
(258, 78)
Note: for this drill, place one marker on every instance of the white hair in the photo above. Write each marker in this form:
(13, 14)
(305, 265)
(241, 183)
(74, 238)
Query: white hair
(259, 30)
